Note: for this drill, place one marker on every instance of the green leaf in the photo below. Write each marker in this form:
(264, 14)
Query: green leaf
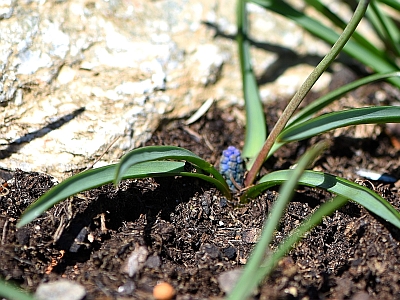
(246, 282)
(297, 234)
(385, 27)
(304, 89)
(94, 178)
(144, 162)
(327, 99)
(395, 4)
(337, 21)
(160, 153)
(256, 131)
(380, 63)
(12, 292)
(221, 185)
(326, 122)
(340, 186)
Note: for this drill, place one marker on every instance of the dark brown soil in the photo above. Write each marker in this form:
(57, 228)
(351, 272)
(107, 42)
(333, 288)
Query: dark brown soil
(192, 234)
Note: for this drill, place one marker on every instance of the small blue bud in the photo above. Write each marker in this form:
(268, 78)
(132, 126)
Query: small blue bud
(224, 159)
(231, 167)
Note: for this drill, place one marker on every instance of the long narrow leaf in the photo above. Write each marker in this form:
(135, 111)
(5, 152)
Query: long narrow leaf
(297, 234)
(381, 64)
(304, 89)
(218, 184)
(385, 27)
(256, 131)
(12, 292)
(161, 153)
(392, 3)
(327, 99)
(94, 178)
(340, 186)
(326, 122)
(246, 282)
(335, 19)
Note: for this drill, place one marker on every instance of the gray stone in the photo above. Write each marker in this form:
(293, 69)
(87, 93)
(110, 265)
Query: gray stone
(228, 279)
(62, 289)
(136, 261)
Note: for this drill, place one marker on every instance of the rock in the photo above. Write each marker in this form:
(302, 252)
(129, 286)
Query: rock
(153, 262)
(211, 251)
(228, 279)
(251, 235)
(127, 288)
(135, 261)
(230, 252)
(61, 290)
(76, 75)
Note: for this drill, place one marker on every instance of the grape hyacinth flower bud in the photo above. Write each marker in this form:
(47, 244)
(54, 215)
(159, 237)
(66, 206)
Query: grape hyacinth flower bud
(231, 167)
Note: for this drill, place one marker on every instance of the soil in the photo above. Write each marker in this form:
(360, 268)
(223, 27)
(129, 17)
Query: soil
(188, 234)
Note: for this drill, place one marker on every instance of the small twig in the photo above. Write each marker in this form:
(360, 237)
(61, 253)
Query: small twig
(3, 236)
(102, 154)
(103, 223)
(200, 112)
(59, 230)
(192, 133)
(208, 144)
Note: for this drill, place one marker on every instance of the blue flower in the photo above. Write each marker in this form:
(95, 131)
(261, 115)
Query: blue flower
(231, 167)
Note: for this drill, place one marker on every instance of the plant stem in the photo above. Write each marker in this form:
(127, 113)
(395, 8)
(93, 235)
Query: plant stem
(304, 89)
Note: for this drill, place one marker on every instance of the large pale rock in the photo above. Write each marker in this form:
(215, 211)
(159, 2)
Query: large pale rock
(77, 74)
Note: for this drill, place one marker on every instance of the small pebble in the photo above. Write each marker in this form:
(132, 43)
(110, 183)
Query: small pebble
(230, 252)
(135, 262)
(127, 288)
(251, 235)
(211, 250)
(62, 289)
(228, 279)
(153, 262)
(223, 202)
(163, 291)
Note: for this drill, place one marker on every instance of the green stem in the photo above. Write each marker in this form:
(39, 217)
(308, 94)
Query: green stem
(304, 89)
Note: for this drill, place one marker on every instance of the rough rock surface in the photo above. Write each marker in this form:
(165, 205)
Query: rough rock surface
(78, 74)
